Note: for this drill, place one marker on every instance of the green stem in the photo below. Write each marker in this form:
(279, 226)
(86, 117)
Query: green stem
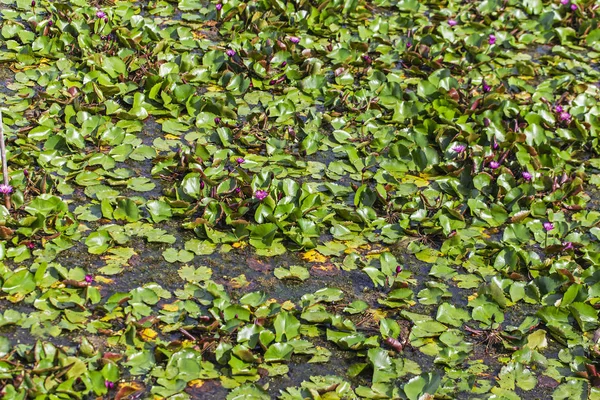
(4, 163)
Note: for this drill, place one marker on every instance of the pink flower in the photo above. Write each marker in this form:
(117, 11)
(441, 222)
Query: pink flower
(5, 189)
(100, 14)
(492, 39)
(459, 148)
(527, 176)
(564, 2)
(219, 6)
(240, 160)
(486, 87)
(567, 246)
(494, 164)
(452, 22)
(109, 384)
(548, 226)
(217, 120)
(89, 278)
(558, 109)
(261, 194)
(565, 116)
(573, 7)
(230, 53)
(398, 269)
(294, 39)
(31, 245)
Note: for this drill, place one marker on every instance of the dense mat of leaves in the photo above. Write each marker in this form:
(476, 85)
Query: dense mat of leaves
(208, 198)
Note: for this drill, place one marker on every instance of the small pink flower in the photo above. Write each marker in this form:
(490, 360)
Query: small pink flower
(100, 14)
(219, 6)
(217, 120)
(567, 246)
(261, 194)
(367, 59)
(89, 278)
(527, 176)
(564, 2)
(548, 226)
(492, 39)
(398, 269)
(459, 148)
(452, 22)
(240, 160)
(486, 87)
(294, 39)
(109, 384)
(573, 7)
(31, 245)
(565, 116)
(494, 164)
(408, 45)
(558, 109)
(5, 189)
(230, 53)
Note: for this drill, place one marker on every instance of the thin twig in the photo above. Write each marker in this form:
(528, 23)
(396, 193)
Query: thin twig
(4, 163)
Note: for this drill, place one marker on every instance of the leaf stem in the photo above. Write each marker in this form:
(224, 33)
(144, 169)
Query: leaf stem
(4, 163)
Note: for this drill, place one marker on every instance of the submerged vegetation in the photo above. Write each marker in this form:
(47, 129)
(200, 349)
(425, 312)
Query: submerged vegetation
(346, 199)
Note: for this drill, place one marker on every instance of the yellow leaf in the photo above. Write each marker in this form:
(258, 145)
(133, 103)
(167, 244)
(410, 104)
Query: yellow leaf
(197, 383)
(171, 307)
(149, 334)
(172, 137)
(314, 256)
(239, 245)
(102, 279)
(378, 315)
(127, 389)
(16, 298)
(288, 305)
(239, 282)
(417, 180)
